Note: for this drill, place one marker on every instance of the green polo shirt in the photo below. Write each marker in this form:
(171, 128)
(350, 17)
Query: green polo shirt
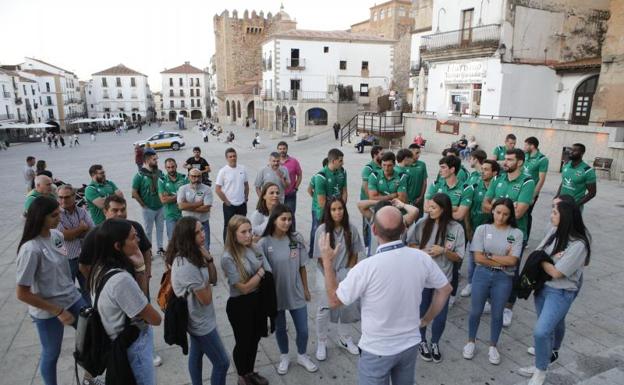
(460, 194)
(370, 168)
(143, 184)
(574, 180)
(168, 187)
(477, 216)
(534, 165)
(499, 152)
(328, 183)
(32, 195)
(519, 190)
(384, 186)
(416, 174)
(462, 176)
(98, 190)
(474, 178)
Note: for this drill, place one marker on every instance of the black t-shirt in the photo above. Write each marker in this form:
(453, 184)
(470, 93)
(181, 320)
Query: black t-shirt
(201, 165)
(87, 254)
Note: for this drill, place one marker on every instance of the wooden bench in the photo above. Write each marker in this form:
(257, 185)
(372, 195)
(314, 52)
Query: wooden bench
(603, 165)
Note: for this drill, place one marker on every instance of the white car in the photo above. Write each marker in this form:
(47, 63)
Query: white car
(162, 140)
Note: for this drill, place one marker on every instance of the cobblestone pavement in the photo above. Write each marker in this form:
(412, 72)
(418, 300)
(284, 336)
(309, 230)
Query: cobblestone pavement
(593, 344)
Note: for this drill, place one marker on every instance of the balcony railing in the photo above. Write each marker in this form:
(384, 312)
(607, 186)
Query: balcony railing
(305, 96)
(295, 63)
(483, 36)
(6, 94)
(7, 116)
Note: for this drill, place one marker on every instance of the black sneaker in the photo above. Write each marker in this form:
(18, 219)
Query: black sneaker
(435, 353)
(554, 356)
(425, 353)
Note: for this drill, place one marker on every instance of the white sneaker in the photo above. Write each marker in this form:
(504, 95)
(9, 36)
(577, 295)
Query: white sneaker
(487, 308)
(466, 291)
(157, 360)
(282, 368)
(493, 356)
(527, 372)
(507, 315)
(531, 350)
(469, 350)
(347, 343)
(305, 361)
(321, 350)
(451, 301)
(539, 377)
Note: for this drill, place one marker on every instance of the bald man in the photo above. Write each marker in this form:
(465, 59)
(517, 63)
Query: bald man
(43, 187)
(195, 200)
(388, 284)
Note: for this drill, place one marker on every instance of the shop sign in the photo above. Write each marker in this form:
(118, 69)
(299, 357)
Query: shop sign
(471, 72)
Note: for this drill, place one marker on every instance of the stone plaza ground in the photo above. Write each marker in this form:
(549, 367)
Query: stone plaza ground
(594, 343)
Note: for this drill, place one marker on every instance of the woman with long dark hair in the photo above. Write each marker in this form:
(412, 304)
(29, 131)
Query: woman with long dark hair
(497, 247)
(192, 275)
(244, 267)
(124, 295)
(44, 281)
(568, 244)
(269, 198)
(443, 239)
(285, 251)
(341, 232)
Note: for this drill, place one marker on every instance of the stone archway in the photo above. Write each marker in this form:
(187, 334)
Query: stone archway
(227, 107)
(251, 112)
(233, 111)
(184, 113)
(173, 116)
(278, 119)
(284, 120)
(292, 121)
(196, 114)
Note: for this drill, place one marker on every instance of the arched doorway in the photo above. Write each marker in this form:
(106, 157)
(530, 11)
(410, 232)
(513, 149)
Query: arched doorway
(316, 117)
(292, 120)
(184, 113)
(238, 108)
(227, 107)
(233, 111)
(172, 116)
(134, 116)
(196, 114)
(583, 98)
(284, 120)
(251, 110)
(278, 119)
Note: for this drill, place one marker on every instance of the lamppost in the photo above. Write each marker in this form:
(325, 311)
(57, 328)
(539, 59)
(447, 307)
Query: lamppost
(440, 10)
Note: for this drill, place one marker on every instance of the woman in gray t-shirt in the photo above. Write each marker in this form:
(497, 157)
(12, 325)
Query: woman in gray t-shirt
(269, 197)
(350, 246)
(443, 239)
(568, 244)
(124, 295)
(497, 248)
(286, 254)
(44, 281)
(192, 275)
(244, 267)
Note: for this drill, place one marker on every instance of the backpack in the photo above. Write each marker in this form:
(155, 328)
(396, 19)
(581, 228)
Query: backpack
(165, 293)
(176, 322)
(92, 342)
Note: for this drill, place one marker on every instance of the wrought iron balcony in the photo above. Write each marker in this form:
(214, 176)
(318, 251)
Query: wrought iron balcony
(476, 37)
(6, 94)
(295, 63)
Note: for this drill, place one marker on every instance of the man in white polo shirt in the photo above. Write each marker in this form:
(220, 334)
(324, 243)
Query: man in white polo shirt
(232, 187)
(388, 285)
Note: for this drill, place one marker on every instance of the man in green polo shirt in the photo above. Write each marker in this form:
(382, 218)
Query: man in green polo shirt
(97, 191)
(459, 193)
(43, 187)
(388, 184)
(462, 172)
(520, 188)
(535, 166)
(330, 182)
(145, 192)
(499, 151)
(168, 190)
(374, 166)
(577, 177)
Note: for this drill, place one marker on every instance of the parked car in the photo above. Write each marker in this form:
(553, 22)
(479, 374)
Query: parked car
(163, 140)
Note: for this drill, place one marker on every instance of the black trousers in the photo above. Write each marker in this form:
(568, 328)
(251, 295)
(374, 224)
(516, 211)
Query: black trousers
(229, 212)
(241, 313)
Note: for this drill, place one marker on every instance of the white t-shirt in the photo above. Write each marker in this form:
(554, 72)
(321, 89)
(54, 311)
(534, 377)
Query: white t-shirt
(389, 285)
(232, 181)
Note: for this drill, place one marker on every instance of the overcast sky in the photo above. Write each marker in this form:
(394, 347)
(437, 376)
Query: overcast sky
(89, 36)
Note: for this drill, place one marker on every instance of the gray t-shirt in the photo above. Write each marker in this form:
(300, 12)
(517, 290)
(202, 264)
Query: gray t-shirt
(203, 194)
(286, 257)
(488, 239)
(120, 297)
(570, 263)
(267, 174)
(29, 175)
(252, 260)
(341, 258)
(42, 265)
(259, 222)
(455, 241)
(188, 278)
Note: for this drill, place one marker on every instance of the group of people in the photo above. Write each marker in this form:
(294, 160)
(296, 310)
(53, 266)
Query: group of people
(398, 274)
(55, 139)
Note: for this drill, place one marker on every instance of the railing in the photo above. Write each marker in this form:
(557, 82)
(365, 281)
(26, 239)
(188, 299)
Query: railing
(295, 63)
(18, 100)
(308, 96)
(378, 124)
(7, 117)
(509, 117)
(6, 94)
(486, 35)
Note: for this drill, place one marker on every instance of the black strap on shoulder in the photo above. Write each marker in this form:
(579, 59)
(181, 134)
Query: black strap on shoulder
(103, 281)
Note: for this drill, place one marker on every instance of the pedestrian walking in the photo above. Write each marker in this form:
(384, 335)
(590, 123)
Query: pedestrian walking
(336, 128)
(232, 188)
(93, 136)
(62, 140)
(29, 173)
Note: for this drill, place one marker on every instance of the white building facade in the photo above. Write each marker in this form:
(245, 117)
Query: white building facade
(120, 92)
(185, 92)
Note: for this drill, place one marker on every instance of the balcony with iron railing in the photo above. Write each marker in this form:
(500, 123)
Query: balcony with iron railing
(6, 94)
(296, 63)
(305, 96)
(462, 41)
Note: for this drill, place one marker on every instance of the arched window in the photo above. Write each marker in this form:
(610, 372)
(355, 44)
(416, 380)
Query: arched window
(583, 98)
(316, 117)
(238, 109)
(227, 107)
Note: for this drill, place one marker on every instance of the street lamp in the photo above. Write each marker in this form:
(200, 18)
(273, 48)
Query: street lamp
(440, 10)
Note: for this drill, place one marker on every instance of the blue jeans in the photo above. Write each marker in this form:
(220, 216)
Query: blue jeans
(300, 319)
(379, 370)
(495, 285)
(471, 263)
(313, 227)
(141, 358)
(50, 332)
(552, 306)
(206, 226)
(290, 201)
(151, 217)
(170, 225)
(439, 322)
(210, 345)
